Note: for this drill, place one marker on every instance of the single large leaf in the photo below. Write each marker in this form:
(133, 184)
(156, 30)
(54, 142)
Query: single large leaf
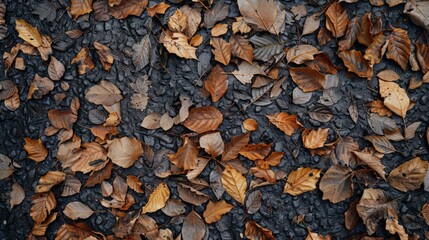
(372, 161)
(221, 51)
(215, 210)
(106, 93)
(49, 180)
(186, 156)
(262, 15)
(301, 53)
(313, 139)
(247, 71)
(216, 83)
(241, 48)
(193, 227)
(141, 53)
(266, 46)
(177, 43)
(399, 47)
(75, 210)
(233, 147)
(28, 33)
(336, 19)
(286, 122)
(256, 151)
(17, 195)
(41, 206)
(90, 153)
(337, 184)
(203, 119)
(409, 175)
(128, 8)
(157, 199)
(194, 19)
(355, 63)
(35, 149)
(212, 144)
(235, 184)
(302, 180)
(191, 195)
(395, 97)
(124, 151)
(307, 79)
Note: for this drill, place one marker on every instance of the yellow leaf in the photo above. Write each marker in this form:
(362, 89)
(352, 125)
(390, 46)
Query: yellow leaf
(28, 33)
(395, 97)
(178, 44)
(235, 184)
(302, 180)
(178, 22)
(157, 199)
(80, 7)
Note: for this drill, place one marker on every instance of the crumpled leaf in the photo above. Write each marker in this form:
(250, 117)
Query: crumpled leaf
(104, 55)
(49, 180)
(41, 206)
(186, 156)
(212, 144)
(84, 60)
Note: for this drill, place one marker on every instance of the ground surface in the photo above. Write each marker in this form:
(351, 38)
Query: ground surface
(181, 77)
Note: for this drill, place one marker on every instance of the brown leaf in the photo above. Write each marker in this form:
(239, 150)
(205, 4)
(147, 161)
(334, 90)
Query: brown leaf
(301, 53)
(235, 184)
(409, 175)
(76, 210)
(253, 202)
(178, 22)
(372, 161)
(381, 144)
(41, 206)
(307, 79)
(105, 93)
(425, 212)
(71, 185)
(255, 151)
(375, 52)
(240, 26)
(212, 144)
(388, 75)
(191, 195)
(28, 33)
(233, 147)
(177, 43)
(84, 60)
(158, 8)
(7, 89)
(302, 180)
(196, 40)
(6, 167)
(262, 15)
(337, 184)
(91, 152)
(128, 8)
(410, 131)
(152, 121)
(17, 195)
(216, 83)
(355, 63)
(55, 69)
(315, 236)
(219, 29)
(365, 35)
(336, 19)
(351, 216)
(157, 198)
(124, 151)
(134, 183)
(215, 210)
(174, 207)
(324, 36)
(313, 139)
(98, 176)
(311, 24)
(241, 48)
(194, 19)
(221, 51)
(104, 55)
(255, 231)
(393, 226)
(374, 206)
(395, 97)
(286, 122)
(399, 47)
(193, 227)
(351, 34)
(186, 156)
(422, 55)
(14, 101)
(70, 231)
(323, 64)
(49, 180)
(250, 124)
(246, 71)
(203, 119)
(35, 149)
(377, 106)
(40, 229)
(80, 7)
(39, 87)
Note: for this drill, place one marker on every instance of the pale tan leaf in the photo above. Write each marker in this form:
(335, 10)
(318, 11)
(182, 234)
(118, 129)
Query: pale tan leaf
(410, 131)
(393, 226)
(212, 144)
(194, 19)
(219, 29)
(311, 24)
(301, 53)
(152, 121)
(124, 151)
(221, 51)
(409, 175)
(55, 69)
(17, 195)
(262, 15)
(157, 198)
(246, 71)
(76, 210)
(80, 7)
(106, 93)
(193, 227)
(178, 22)
(418, 12)
(235, 184)
(178, 44)
(240, 26)
(388, 75)
(302, 180)
(28, 33)
(215, 210)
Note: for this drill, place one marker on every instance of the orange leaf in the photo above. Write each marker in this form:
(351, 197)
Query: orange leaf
(62, 118)
(41, 206)
(75, 210)
(159, 8)
(307, 79)
(235, 184)
(80, 7)
(128, 8)
(375, 52)
(286, 122)
(186, 156)
(233, 147)
(336, 19)
(203, 119)
(250, 124)
(134, 183)
(215, 210)
(255, 231)
(221, 51)
(104, 55)
(49, 180)
(241, 48)
(28, 33)
(355, 63)
(216, 83)
(302, 180)
(256, 151)
(84, 60)
(35, 149)
(313, 139)
(157, 198)
(409, 175)
(124, 151)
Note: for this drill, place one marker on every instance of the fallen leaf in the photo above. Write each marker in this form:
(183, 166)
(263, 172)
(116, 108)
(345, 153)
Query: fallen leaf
(6, 167)
(398, 48)
(313, 139)
(221, 51)
(393, 226)
(321, 113)
(409, 175)
(265, 46)
(254, 202)
(302, 180)
(255, 231)
(377, 106)
(212, 144)
(17, 195)
(40, 229)
(71, 185)
(356, 63)
(151, 121)
(55, 69)
(351, 216)
(124, 151)
(375, 51)
(28, 33)
(286, 122)
(216, 83)
(7, 89)
(35, 149)
(336, 19)
(76, 210)
(240, 26)
(178, 22)
(250, 124)
(196, 40)
(233, 147)
(104, 55)
(388, 75)
(70, 231)
(105, 93)
(215, 210)
(84, 60)
(41, 206)
(301, 53)
(418, 12)
(219, 29)
(158, 8)
(177, 43)
(235, 184)
(194, 19)
(255, 151)
(191, 195)
(315, 236)
(203, 119)
(80, 7)
(134, 183)
(307, 79)
(49, 180)
(241, 48)
(157, 199)
(128, 8)
(262, 15)
(193, 227)
(425, 212)
(186, 156)
(351, 34)
(311, 24)
(247, 71)
(14, 101)
(174, 207)
(337, 184)
(219, 12)
(365, 35)
(39, 87)
(395, 97)
(324, 36)
(372, 161)
(381, 144)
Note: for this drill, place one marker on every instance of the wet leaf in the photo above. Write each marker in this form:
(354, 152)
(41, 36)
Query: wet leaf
(193, 227)
(106, 93)
(80, 7)
(355, 63)
(336, 19)
(216, 83)
(17, 195)
(35, 149)
(398, 48)
(301, 53)
(212, 144)
(241, 48)
(313, 139)
(55, 69)
(255, 231)
(41, 206)
(177, 43)
(262, 15)
(186, 156)
(203, 119)
(215, 210)
(233, 147)
(221, 51)
(286, 122)
(128, 8)
(395, 97)
(124, 151)
(28, 33)
(409, 175)
(49, 180)
(76, 210)
(337, 184)
(234, 183)
(302, 180)
(307, 79)
(157, 199)
(255, 151)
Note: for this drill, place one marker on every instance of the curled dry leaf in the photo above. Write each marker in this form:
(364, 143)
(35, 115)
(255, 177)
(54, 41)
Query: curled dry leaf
(84, 60)
(355, 63)
(302, 180)
(336, 19)
(80, 7)
(177, 43)
(193, 227)
(215, 210)
(212, 144)
(105, 93)
(337, 184)
(351, 34)
(377, 106)
(49, 180)
(307, 79)
(255, 231)
(104, 55)
(375, 52)
(76, 210)
(203, 119)
(301, 53)
(395, 97)
(124, 151)
(286, 122)
(216, 83)
(235, 184)
(157, 198)
(186, 156)
(409, 175)
(313, 139)
(35, 149)
(17, 195)
(40, 229)
(41, 206)
(191, 195)
(393, 226)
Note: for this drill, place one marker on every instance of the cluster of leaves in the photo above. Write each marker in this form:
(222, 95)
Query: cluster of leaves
(258, 60)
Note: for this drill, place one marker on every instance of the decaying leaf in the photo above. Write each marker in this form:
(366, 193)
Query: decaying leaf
(128, 8)
(56, 69)
(395, 97)
(28, 33)
(221, 51)
(255, 151)
(233, 147)
(337, 184)
(84, 60)
(215, 210)
(41, 206)
(235, 184)
(398, 48)
(381, 144)
(157, 199)
(302, 180)
(356, 63)
(106, 93)
(104, 55)
(409, 175)
(301, 53)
